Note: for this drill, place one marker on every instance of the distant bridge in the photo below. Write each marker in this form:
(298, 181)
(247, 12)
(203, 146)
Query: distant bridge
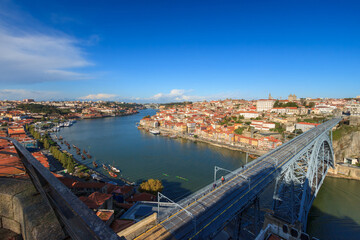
(298, 168)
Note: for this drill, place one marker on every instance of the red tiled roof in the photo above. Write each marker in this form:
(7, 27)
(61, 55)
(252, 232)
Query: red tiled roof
(141, 197)
(104, 215)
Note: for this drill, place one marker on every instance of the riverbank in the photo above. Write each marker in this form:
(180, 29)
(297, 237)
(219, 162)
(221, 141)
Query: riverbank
(120, 180)
(244, 149)
(345, 172)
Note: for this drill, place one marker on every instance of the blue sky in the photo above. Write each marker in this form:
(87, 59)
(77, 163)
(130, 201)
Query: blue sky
(160, 51)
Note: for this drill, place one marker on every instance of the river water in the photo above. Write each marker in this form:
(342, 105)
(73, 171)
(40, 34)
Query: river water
(184, 167)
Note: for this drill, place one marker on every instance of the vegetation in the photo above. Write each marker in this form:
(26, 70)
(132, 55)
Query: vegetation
(278, 128)
(39, 108)
(344, 130)
(151, 186)
(239, 130)
(312, 120)
(66, 160)
(175, 104)
(311, 104)
(288, 104)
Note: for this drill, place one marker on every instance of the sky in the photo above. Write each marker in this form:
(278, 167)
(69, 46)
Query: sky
(178, 50)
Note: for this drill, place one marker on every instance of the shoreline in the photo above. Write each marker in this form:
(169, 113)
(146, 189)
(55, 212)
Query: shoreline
(166, 132)
(119, 180)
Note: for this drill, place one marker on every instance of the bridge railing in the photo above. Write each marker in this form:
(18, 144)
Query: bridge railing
(208, 188)
(78, 221)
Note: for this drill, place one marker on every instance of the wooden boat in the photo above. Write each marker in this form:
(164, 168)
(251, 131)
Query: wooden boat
(78, 152)
(114, 169)
(84, 151)
(252, 156)
(112, 174)
(105, 167)
(95, 164)
(60, 138)
(83, 157)
(88, 156)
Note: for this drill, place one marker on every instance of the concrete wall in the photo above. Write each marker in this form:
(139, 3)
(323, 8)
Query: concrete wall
(139, 227)
(345, 171)
(24, 211)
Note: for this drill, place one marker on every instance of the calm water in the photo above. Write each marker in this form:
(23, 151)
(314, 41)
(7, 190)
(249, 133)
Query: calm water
(335, 213)
(140, 155)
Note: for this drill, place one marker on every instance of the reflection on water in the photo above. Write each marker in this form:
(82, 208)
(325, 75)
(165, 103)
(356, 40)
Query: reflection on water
(182, 165)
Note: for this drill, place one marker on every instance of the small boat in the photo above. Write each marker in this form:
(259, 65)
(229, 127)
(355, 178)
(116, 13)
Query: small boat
(154, 131)
(88, 156)
(83, 157)
(173, 136)
(69, 147)
(114, 169)
(78, 152)
(95, 164)
(60, 138)
(112, 174)
(252, 156)
(105, 167)
(84, 151)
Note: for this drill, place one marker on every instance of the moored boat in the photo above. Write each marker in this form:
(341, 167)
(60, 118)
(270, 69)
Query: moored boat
(112, 174)
(252, 156)
(83, 157)
(114, 169)
(94, 164)
(154, 131)
(105, 167)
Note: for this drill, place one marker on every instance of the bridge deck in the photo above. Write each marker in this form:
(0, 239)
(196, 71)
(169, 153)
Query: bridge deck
(211, 210)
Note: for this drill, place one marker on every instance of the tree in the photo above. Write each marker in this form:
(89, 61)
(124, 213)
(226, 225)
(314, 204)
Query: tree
(152, 186)
(46, 143)
(311, 104)
(239, 130)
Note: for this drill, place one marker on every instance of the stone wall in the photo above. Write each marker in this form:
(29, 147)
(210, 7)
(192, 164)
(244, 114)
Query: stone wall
(343, 171)
(24, 211)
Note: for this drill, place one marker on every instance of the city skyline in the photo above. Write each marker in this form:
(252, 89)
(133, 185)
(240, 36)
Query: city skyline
(178, 51)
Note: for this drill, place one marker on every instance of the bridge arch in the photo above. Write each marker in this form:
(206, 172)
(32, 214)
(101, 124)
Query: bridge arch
(298, 184)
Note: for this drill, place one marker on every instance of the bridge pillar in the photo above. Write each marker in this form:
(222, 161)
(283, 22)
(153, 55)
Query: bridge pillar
(248, 223)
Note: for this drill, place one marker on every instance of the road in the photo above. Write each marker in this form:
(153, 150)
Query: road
(207, 210)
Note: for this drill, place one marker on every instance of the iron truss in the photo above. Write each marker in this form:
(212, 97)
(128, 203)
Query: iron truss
(298, 167)
(297, 186)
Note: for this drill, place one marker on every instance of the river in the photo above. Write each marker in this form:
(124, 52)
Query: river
(184, 167)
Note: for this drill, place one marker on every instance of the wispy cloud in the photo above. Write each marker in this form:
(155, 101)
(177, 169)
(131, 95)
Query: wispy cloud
(36, 54)
(19, 94)
(180, 95)
(99, 96)
(176, 95)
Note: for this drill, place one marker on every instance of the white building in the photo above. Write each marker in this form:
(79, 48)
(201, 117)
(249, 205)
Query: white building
(264, 104)
(249, 114)
(260, 125)
(355, 109)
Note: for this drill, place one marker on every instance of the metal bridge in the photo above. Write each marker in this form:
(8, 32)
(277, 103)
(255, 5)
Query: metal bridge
(298, 168)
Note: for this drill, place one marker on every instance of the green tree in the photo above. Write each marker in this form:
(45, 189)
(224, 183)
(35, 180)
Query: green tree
(311, 104)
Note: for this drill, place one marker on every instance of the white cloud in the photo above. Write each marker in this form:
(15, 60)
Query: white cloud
(99, 96)
(19, 94)
(175, 95)
(35, 54)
